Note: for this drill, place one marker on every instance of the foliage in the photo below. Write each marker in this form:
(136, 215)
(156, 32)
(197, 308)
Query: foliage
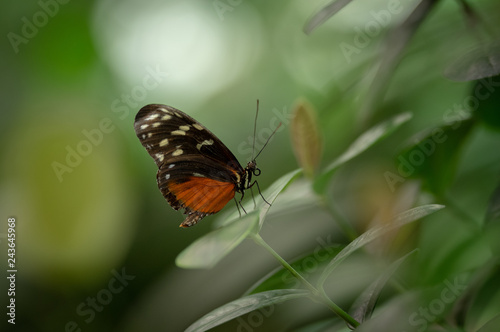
(383, 174)
(436, 170)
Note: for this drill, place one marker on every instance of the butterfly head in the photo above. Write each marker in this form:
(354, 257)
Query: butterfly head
(250, 170)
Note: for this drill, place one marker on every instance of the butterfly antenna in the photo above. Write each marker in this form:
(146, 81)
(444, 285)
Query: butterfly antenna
(274, 132)
(255, 130)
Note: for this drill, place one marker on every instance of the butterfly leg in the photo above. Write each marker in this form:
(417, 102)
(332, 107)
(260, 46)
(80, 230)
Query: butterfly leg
(260, 193)
(237, 206)
(253, 198)
(242, 195)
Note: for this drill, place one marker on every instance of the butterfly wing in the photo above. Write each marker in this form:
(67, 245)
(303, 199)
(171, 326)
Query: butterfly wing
(168, 132)
(198, 195)
(197, 172)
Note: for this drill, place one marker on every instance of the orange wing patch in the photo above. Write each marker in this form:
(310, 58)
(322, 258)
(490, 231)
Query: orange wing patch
(203, 195)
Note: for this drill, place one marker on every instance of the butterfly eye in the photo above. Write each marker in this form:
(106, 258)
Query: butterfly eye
(256, 172)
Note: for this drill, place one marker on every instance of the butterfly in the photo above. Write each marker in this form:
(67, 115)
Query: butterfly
(196, 171)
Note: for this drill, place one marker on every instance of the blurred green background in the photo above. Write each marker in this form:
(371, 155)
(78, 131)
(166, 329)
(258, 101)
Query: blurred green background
(83, 190)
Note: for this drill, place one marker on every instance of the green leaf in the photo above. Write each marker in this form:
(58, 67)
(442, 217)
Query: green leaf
(324, 14)
(434, 158)
(306, 140)
(299, 197)
(281, 278)
(480, 61)
(361, 144)
(206, 251)
(479, 291)
(397, 39)
(376, 232)
(274, 190)
(492, 325)
(244, 305)
(365, 304)
(270, 194)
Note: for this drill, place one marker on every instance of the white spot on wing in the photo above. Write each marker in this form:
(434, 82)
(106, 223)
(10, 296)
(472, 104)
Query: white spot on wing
(163, 110)
(166, 117)
(171, 165)
(184, 128)
(144, 126)
(159, 156)
(156, 124)
(178, 132)
(152, 116)
(164, 142)
(205, 142)
(150, 134)
(167, 176)
(198, 126)
(177, 152)
(199, 175)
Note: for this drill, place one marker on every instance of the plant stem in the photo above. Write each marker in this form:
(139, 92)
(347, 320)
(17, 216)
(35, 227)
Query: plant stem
(317, 294)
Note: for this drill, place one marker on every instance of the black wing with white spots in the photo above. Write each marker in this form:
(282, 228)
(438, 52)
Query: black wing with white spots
(184, 150)
(169, 134)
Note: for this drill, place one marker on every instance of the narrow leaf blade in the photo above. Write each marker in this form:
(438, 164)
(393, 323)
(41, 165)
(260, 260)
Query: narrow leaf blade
(274, 190)
(396, 41)
(491, 325)
(206, 251)
(324, 14)
(434, 158)
(244, 305)
(478, 62)
(280, 278)
(376, 232)
(361, 144)
(365, 304)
